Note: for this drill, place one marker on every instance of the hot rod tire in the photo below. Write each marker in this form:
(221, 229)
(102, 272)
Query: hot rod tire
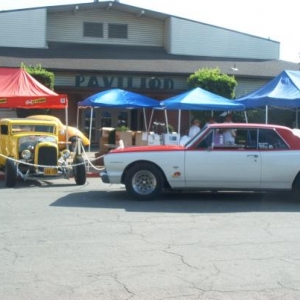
(10, 173)
(144, 181)
(79, 170)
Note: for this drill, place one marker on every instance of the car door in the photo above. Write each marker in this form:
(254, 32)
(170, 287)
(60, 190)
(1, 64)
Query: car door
(224, 166)
(280, 165)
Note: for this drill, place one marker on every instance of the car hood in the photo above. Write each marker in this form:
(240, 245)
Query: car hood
(148, 149)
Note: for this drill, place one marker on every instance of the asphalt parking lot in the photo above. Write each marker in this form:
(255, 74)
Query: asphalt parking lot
(63, 241)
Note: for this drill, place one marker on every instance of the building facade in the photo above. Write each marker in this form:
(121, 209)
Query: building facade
(96, 46)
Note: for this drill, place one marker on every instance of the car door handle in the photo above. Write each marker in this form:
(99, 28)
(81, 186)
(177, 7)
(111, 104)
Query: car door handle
(253, 155)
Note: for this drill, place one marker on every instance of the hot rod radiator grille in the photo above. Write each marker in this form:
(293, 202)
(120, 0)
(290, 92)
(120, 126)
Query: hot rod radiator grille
(47, 156)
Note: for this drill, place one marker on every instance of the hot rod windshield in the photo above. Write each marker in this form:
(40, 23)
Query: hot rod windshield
(20, 128)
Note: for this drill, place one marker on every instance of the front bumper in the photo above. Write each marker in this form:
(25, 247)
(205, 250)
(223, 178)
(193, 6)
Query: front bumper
(104, 177)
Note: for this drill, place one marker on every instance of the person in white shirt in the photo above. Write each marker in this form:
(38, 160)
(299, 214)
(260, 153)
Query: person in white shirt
(195, 128)
(119, 142)
(229, 135)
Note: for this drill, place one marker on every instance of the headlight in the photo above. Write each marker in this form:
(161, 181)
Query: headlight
(26, 154)
(66, 153)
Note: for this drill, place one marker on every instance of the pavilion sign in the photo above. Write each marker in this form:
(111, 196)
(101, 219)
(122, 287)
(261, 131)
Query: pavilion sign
(124, 82)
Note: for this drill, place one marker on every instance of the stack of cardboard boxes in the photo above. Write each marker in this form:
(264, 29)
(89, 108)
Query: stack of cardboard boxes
(107, 141)
(136, 138)
(132, 138)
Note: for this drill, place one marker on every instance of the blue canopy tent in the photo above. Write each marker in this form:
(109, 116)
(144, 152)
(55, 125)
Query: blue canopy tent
(117, 98)
(282, 91)
(199, 99)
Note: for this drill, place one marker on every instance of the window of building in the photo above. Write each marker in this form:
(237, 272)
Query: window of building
(117, 31)
(92, 29)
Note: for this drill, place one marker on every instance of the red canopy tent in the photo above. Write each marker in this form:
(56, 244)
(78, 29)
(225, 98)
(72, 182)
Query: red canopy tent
(18, 89)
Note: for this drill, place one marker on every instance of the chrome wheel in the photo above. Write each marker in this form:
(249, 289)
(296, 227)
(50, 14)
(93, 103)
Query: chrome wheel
(144, 182)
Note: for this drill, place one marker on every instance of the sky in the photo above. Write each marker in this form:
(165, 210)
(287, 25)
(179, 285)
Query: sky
(278, 20)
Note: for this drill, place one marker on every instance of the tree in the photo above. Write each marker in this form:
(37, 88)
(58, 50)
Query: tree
(41, 75)
(215, 82)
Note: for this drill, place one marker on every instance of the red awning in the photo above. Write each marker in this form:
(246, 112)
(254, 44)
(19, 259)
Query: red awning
(18, 89)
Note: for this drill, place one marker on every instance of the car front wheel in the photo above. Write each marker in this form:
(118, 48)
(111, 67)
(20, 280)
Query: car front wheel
(296, 187)
(10, 173)
(79, 170)
(144, 181)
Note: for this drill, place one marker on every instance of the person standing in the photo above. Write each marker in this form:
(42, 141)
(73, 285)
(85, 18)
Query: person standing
(195, 128)
(211, 120)
(230, 134)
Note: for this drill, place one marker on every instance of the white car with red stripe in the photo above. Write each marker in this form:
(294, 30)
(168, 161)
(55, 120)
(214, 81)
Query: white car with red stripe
(263, 157)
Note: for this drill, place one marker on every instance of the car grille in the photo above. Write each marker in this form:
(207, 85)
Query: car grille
(47, 156)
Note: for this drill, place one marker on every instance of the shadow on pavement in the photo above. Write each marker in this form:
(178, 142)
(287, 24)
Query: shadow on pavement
(42, 183)
(168, 202)
(184, 202)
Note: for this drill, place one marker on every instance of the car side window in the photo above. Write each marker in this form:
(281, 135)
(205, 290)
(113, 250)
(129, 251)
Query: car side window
(207, 141)
(4, 129)
(244, 138)
(251, 139)
(269, 140)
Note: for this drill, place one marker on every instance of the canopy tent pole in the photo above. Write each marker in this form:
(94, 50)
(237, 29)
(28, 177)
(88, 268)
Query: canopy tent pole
(179, 125)
(77, 126)
(77, 117)
(67, 122)
(90, 129)
(267, 114)
(246, 117)
(150, 121)
(167, 122)
(149, 125)
(145, 121)
(296, 125)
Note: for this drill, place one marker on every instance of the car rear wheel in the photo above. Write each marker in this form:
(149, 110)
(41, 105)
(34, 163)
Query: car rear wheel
(10, 173)
(144, 181)
(79, 170)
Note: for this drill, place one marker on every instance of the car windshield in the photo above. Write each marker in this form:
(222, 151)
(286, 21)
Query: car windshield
(20, 128)
(200, 133)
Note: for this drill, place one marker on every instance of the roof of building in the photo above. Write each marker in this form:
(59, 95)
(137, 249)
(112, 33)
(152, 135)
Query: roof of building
(116, 5)
(131, 59)
(64, 57)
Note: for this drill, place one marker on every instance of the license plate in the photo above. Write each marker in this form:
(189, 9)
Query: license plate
(50, 171)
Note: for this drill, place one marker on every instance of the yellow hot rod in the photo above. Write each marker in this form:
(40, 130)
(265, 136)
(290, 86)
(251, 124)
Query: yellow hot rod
(29, 150)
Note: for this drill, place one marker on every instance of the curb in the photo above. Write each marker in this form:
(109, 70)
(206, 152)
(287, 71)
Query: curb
(92, 174)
